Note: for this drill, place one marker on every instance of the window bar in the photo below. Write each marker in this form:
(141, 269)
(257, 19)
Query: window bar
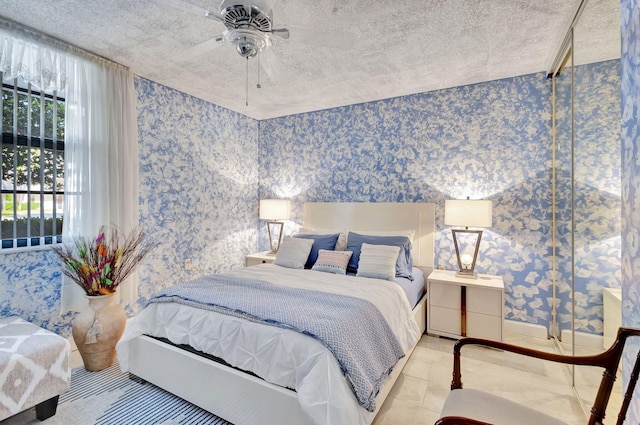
(29, 173)
(32, 147)
(54, 139)
(54, 131)
(42, 168)
(56, 153)
(14, 131)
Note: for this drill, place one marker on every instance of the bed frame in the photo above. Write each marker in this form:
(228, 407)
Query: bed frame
(244, 399)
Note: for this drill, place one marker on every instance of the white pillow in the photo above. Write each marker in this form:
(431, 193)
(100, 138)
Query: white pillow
(341, 244)
(293, 252)
(378, 261)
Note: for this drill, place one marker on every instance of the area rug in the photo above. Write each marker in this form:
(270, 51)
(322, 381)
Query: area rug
(109, 397)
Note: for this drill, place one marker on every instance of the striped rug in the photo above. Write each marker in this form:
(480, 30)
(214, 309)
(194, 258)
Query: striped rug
(109, 397)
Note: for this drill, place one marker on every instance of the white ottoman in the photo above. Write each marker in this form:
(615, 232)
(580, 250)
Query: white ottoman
(34, 368)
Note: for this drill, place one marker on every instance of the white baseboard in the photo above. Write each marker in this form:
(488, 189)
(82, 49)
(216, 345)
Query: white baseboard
(526, 329)
(582, 339)
(538, 331)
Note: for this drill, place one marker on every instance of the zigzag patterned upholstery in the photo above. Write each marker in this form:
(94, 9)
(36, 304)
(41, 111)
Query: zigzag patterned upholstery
(34, 368)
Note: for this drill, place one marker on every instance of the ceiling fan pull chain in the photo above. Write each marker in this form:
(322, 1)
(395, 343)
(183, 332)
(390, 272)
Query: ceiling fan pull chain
(259, 85)
(247, 85)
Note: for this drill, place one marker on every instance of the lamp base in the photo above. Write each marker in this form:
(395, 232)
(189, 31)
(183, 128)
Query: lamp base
(274, 244)
(467, 274)
(466, 269)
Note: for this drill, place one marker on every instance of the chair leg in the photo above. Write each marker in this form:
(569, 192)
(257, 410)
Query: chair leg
(47, 408)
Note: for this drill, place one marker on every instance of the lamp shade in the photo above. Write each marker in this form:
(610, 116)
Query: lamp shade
(467, 213)
(275, 209)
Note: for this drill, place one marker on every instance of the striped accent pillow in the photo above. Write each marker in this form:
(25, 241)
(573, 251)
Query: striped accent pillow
(293, 252)
(378, 261)
(332, 261)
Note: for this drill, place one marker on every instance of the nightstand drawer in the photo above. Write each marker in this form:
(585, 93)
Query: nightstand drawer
(255, 261)
(444, 295)
(444, 320)
(484, 326)
(481, 300)
(258, 258)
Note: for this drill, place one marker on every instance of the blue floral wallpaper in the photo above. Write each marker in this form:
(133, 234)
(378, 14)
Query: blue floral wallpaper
(30, 288)
(485, 141)
(630, 18)
(198, 185)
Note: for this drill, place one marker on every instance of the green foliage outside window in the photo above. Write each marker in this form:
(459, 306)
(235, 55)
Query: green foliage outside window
(41, 160)
(32, 167)
(21, 227)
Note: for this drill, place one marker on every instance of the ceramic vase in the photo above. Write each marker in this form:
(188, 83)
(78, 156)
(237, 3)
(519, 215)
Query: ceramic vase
(97, 330)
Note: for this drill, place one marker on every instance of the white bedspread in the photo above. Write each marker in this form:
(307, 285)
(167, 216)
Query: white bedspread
(270, 351)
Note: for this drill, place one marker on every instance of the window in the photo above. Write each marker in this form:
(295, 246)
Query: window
(32, 167)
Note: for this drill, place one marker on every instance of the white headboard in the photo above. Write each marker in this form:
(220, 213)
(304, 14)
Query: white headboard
(379, 216)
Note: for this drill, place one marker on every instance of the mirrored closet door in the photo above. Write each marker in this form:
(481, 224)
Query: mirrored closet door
(587, 188)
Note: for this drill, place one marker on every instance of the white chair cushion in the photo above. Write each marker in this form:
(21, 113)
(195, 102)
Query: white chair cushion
(487, 407)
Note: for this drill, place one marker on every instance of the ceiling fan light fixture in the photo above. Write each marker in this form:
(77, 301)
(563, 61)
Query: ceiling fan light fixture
(248, 43)
(246, 50)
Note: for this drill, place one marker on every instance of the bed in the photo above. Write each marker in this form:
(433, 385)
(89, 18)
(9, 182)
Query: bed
(255, 382)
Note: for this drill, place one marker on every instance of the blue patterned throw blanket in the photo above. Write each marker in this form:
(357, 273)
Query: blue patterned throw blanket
(353, 329)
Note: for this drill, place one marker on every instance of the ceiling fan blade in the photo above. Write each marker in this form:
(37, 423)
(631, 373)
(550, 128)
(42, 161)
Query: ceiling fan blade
(214, 15)
(343, 40)
(271, 66)
(200, 49)
(281, 32)
(192, 8)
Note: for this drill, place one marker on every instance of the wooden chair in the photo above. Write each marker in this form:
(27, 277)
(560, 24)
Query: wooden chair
(474, 407)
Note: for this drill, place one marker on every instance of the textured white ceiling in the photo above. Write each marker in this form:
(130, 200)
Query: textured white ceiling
(401, 47)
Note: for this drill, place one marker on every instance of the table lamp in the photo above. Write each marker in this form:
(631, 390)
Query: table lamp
(274, 211)
(467, 213)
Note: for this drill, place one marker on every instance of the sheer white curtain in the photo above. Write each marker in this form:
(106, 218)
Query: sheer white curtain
(101, 159)
(41, 65)
(101, 141)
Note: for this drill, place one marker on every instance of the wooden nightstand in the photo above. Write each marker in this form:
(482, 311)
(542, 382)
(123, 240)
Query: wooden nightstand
(258, 258)
(460, 306)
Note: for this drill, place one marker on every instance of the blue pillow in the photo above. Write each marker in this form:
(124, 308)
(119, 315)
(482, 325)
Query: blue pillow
(327, 242)
(405, 261)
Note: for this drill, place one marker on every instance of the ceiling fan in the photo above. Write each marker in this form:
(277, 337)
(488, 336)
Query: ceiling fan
(250, 29)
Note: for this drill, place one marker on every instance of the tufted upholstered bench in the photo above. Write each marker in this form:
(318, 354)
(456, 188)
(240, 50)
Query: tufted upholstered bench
(34, 368)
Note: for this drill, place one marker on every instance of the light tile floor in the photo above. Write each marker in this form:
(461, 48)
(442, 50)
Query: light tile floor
(420, 391)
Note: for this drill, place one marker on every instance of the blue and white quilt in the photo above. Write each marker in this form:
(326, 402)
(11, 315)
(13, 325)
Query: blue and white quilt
(279, 355)
(353, 329)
